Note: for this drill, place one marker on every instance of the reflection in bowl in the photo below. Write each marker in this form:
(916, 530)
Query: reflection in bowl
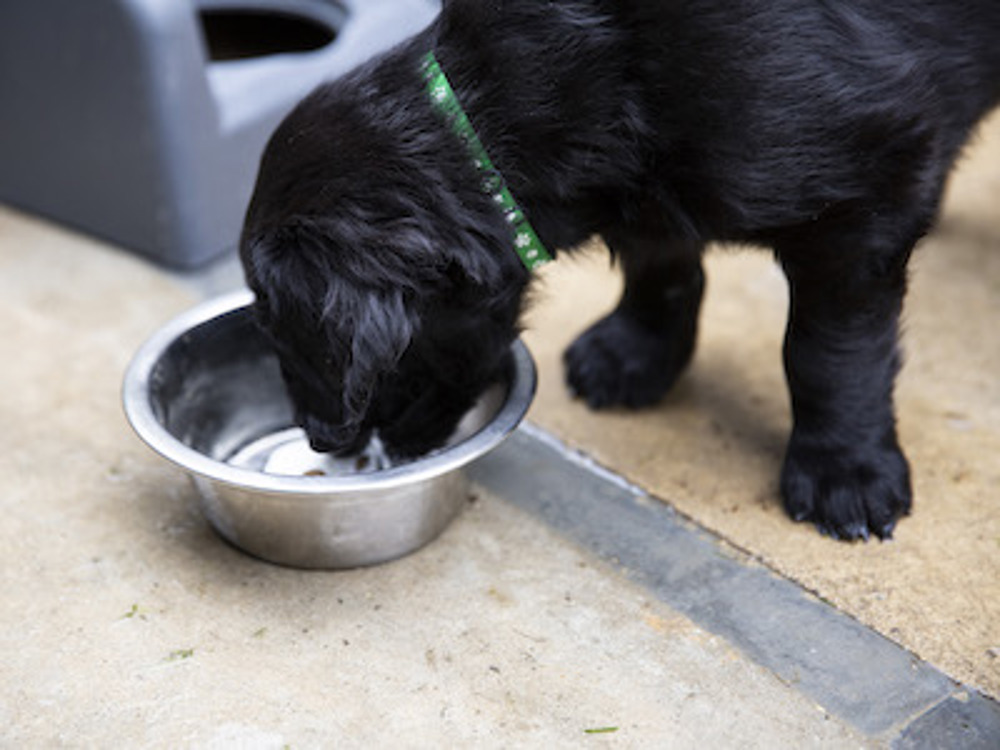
(288, 453)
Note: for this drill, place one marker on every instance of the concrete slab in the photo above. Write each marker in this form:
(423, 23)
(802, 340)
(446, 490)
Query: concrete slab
(967, 722)
(499, 634)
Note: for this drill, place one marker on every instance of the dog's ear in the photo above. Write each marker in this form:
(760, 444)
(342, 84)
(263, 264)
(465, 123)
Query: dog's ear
(364, 328)
(370, 329)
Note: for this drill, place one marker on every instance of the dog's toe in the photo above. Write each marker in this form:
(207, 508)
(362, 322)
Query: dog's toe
(588, 374)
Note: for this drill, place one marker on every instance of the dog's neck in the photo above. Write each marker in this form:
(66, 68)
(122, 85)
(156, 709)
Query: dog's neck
(564, 132)
(527, 245)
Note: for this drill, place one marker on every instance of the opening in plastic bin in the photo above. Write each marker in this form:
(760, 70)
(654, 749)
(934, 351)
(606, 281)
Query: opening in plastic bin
(240, 33)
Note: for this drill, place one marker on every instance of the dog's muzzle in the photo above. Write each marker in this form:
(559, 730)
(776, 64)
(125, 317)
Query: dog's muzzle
(340, 441)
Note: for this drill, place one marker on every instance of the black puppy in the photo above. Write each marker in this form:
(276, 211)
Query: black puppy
(387, 278)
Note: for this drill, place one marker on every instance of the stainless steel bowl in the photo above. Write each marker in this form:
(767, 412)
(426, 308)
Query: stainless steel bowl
(206, 393)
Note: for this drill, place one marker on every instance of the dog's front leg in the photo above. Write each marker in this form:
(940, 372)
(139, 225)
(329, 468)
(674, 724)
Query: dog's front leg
(634, 355)
(843, 469)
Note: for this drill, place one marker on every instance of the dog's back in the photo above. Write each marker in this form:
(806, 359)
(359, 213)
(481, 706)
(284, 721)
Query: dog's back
(770, 111)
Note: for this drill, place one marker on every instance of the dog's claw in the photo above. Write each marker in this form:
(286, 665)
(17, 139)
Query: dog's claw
(884, 533)
(826, 530)
(851, 532)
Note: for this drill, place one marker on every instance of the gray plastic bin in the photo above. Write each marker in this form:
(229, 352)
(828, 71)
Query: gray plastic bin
(142, 121)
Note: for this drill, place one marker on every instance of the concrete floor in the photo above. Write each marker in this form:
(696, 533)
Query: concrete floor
(563, 608)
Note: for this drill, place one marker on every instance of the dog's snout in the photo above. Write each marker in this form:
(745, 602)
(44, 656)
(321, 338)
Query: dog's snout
(338, 440)
(320, 445)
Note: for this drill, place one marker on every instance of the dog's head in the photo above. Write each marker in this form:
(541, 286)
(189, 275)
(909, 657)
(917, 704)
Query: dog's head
(383, 276)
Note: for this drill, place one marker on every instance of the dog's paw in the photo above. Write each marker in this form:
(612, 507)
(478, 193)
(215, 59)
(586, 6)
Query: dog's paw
(619, 362)
(847, 493)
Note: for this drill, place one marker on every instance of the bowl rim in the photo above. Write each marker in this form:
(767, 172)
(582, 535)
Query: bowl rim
(138, 409)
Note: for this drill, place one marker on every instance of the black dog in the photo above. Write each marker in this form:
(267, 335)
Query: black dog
(824, 129)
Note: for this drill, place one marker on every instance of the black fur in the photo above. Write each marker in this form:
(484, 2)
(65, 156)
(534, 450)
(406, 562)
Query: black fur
(824, 129)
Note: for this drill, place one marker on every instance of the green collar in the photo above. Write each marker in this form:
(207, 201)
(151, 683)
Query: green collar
(529, 248)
